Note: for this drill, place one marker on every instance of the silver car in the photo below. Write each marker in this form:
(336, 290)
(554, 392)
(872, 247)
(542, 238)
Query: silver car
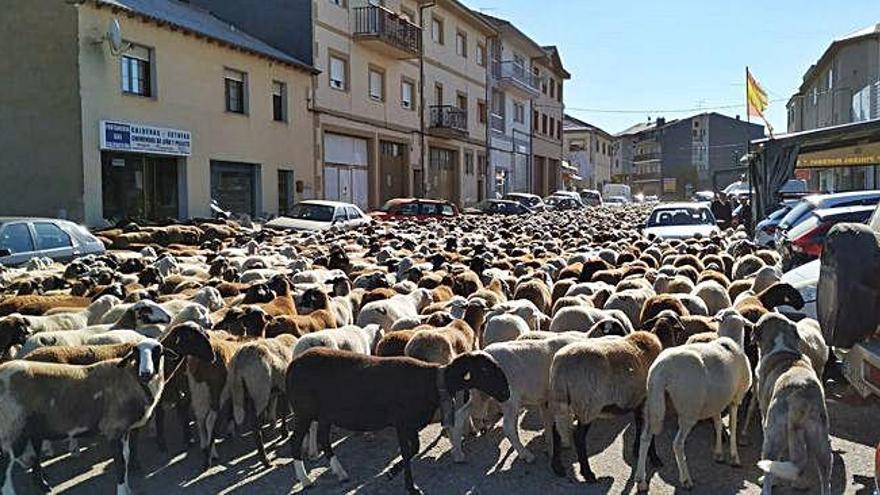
(23, 238)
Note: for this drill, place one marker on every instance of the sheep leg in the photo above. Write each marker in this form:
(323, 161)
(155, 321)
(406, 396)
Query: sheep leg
(718, 451)
(462, 415)
(580, 445)
(300, 430)
(555, 449)
(39, 476)
(639, 414)
(510, 409)
(120, 460)
(327, 448)
(747, 421)
(734, 448)
(313, 440)
(409, 447)
(8, 486)
(183, 417)
(209, 450)
(133, 461)
(684, 475)
(159, 418)
(258, 438)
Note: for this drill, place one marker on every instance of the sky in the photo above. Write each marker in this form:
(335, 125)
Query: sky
(649, 57)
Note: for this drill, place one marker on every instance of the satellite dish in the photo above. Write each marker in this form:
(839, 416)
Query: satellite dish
(114, 36)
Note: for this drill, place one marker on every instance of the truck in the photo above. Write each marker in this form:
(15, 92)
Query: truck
(623, 190)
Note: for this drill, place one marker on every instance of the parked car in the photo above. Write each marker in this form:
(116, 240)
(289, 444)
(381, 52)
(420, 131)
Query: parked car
(415, 209)
(766, 229)
(791, 187)
(652, 198)
(530, 201)
(591, 197)
(562, 203)
(617, 190)
(497, 207)
(803, 242)
(616, 200)
(23, 238)
(680, 221)
(568, 194)
(317, 215)
(806, 205)
(703, 197)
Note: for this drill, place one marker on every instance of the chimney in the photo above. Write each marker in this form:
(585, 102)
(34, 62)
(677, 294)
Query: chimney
(661, 121)
(737, 116)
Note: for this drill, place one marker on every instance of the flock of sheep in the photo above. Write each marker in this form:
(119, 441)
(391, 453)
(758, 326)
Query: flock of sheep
(399, 325)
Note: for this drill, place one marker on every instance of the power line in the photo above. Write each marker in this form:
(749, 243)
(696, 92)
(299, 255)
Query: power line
(660, 111)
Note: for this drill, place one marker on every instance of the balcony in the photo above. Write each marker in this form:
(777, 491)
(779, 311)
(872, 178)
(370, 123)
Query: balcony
(496, 122)
(646, 157)
(387, 32)
(448, 121)
(514, 77)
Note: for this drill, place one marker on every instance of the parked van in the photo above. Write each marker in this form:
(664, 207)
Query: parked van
(624, 190)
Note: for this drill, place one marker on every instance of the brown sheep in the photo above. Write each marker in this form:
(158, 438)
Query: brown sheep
(378, 294)
(591, 267)
(688, 271)
(299, 325)
(655, 304)
(394, 343)
(689, 260)
(441, 345)
(571, 271)
(737, 287)
(717, 276)
(466, 283)
(36, 305)
(442, 293)
(283, 303)
(537, 292)
(753, 308)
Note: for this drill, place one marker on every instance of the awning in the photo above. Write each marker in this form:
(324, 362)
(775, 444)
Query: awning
(567, 167)
(575, 177)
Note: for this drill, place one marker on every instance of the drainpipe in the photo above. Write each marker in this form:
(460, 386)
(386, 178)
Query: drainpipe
(422, 149)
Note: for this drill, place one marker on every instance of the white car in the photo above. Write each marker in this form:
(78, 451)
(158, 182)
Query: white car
(316, 215)
(805, 279)
(680, 221)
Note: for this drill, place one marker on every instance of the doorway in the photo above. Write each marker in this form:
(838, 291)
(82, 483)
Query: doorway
(392, 160)
(234, 186)
(139, 187)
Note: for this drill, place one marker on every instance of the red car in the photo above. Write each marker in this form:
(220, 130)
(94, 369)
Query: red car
(415, 209)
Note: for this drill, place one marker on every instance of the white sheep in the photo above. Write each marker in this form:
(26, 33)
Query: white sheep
(582, 318)
(713, 294)
(503, 328)
(700, 381)
(385, 312)
(526, 364)
(523, 308)
(91, 315)
(631, 302)
(694, 305)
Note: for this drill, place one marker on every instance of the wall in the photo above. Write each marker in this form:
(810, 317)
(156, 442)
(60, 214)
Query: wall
(190, 95)
(727, 144)
(40, 173)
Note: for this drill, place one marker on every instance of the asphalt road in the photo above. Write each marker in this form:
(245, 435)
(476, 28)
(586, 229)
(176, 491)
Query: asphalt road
(492, 466)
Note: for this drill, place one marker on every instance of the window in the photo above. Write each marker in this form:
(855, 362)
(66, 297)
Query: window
(338, 73)
(135, 66)
(279, 101)
(552, 126)
(236, 84)
(481, 111)
(437, 30)
(352, 213)
(552, 88)
(438, 94)
(461, 44)
(462, 101)
(17, 238)
(469, 163)
(544, 122)
(536, 119)
(519, 113)
(481, 54)
(338, 3)
(815, 95)
(559, 91)
(50, 236)
(407, 88)
(407, 14)
(830, 78)
(377, 85)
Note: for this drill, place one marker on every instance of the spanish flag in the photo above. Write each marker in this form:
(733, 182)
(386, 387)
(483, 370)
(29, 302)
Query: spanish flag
(755, 96)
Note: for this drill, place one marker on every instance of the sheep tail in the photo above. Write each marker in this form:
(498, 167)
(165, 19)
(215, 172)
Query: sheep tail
(785, 470)
(655, 403)
(238, 391)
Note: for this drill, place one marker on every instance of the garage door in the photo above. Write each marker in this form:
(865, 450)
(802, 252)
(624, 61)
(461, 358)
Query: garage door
(345, 169)
(234, 186)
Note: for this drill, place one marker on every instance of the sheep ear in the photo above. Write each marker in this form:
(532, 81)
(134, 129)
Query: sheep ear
(171, 353)
(467, 377)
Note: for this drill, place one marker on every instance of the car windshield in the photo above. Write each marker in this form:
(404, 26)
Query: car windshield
(388, 206)
(317, 213)
(680, 216)
(776, 215)
(796, 214)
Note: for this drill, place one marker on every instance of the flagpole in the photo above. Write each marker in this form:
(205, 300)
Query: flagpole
(749, 156)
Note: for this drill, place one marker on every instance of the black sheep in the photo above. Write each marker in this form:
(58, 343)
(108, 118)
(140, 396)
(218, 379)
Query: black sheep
(366, 393)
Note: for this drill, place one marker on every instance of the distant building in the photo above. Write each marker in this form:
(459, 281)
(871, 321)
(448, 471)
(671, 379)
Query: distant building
(591, 150)
(674, 159)
(843, 86)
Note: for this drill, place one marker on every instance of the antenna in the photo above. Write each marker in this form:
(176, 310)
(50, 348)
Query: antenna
(114, 36)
